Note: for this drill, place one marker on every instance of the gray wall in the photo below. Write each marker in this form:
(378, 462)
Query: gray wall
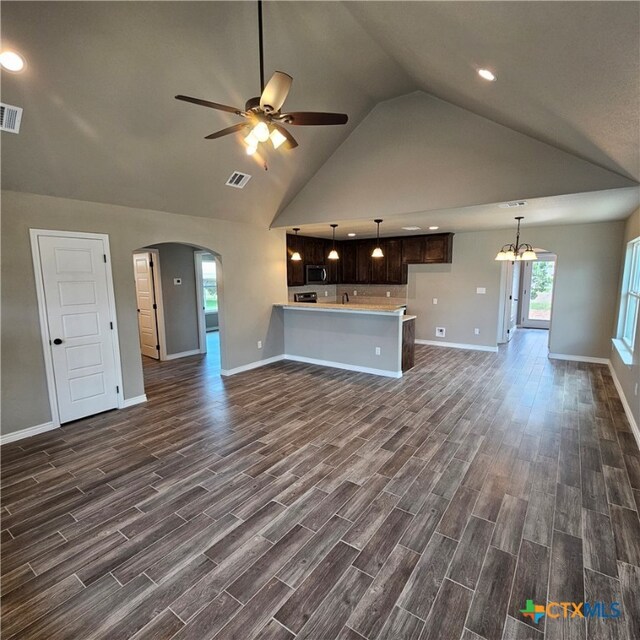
(347, 338)
(629, 376)
(586, 287)
(248, 287)
(179, 301)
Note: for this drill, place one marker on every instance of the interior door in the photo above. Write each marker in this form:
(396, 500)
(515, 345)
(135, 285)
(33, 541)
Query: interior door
(74, 274)
(147, 307)
(537, 291)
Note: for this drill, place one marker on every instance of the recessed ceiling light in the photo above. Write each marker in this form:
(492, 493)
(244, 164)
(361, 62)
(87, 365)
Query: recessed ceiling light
(11, 61)
(351, 235)
(411, 228)
(486, 74)
(433, 228)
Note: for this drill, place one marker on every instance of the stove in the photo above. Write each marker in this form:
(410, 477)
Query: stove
(309, 296)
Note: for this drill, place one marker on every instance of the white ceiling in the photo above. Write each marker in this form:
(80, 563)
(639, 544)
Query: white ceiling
(101, 124)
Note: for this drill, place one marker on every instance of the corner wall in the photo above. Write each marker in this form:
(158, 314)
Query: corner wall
(586, 287)
(252, 279)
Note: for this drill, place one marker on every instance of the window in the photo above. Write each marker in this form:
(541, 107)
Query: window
(210, 285)
(630, 302)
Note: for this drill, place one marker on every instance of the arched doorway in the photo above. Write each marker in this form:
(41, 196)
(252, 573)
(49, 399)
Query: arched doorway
(178, 297)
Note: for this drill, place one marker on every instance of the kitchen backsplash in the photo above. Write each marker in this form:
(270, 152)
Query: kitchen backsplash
(319, 289)
(365, 292)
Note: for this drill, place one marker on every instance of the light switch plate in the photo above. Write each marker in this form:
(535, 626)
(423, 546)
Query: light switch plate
(435, 300)
(481, 290)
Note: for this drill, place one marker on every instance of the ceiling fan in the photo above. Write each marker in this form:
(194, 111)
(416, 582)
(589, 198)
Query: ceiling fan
(263, 114)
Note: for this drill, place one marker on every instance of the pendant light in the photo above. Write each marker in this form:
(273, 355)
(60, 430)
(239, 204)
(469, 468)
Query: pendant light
(377, 252)
(517, 251)
(295, 256)
(333, 254)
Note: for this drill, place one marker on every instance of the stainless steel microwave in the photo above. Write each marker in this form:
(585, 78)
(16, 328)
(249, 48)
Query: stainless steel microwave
(316, 274)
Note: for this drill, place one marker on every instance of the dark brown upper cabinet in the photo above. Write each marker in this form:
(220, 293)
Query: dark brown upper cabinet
(363, 261)
(430, 249)
(295, 269)
(348, 262)
(356, 266)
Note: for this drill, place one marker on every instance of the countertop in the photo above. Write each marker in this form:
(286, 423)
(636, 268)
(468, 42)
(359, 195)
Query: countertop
(384, 309)
(405, 318)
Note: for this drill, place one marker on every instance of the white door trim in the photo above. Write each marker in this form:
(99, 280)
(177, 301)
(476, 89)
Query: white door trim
(42, 311)
(202, 321)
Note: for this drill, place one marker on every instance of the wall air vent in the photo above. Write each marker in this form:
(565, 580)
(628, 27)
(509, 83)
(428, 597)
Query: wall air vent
(513, 205)
(10, 118)
(238, 180)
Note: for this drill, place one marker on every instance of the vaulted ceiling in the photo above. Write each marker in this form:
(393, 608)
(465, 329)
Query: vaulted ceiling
(101, 123)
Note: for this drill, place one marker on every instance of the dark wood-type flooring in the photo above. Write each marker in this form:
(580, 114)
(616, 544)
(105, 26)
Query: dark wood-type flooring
(296, 501)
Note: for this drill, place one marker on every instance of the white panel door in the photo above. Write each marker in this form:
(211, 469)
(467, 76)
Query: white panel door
(74, 276)
(147, 308)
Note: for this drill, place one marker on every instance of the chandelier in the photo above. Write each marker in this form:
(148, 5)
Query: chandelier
(517, 251)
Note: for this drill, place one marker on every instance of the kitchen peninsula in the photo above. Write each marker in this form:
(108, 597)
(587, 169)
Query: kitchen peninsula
(359, 337)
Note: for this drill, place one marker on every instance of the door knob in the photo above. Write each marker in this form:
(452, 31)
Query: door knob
(57, 341)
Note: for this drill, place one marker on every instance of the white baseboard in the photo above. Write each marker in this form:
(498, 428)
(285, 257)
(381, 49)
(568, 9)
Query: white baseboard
(251, 365)
(183, 354)
(627, 409)
(5, 438)
(347, 367)
(564, 356)
(130, 402)
(457, 345)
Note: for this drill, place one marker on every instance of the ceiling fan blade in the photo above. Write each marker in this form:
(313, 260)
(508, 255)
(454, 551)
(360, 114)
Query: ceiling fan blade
(276, 91)
(313, 118)
(291, 141)
(212, 105)
(227, 131)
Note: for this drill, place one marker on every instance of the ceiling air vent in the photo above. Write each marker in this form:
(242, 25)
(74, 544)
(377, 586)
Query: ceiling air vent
(513, 205)
(238, 180)
(10, 118)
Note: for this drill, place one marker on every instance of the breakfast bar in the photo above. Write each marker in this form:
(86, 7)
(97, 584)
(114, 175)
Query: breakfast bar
(359, 337)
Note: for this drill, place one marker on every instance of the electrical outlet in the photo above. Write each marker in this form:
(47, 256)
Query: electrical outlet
(326, 294)
(388, 294)
(259, 344)
(476, 331)
(435, 300)
(440, 332)
(377, 351)
(355, 293)
(635, 393)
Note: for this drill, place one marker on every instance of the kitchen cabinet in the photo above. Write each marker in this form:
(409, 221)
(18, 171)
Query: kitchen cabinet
(408, 344)
(356, 266)
(430, 249)
(363, 261)
(295, 269)
(389, 269)
(347, 251)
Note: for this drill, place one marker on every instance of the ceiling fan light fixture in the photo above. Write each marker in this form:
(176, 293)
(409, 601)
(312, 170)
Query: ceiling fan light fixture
(277, 138)
(261, 131)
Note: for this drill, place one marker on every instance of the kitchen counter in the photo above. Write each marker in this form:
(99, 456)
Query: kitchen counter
(365, 338)
(350, 307)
